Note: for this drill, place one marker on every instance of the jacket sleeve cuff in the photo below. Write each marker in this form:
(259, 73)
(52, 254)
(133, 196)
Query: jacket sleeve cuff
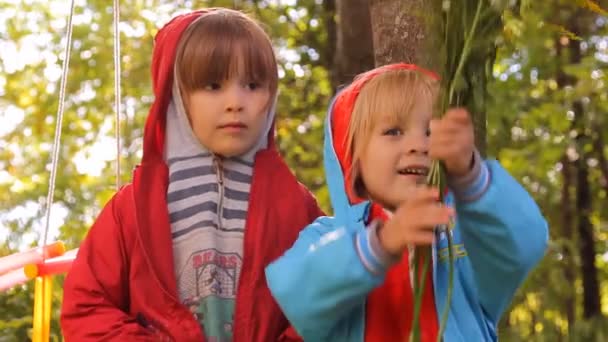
(474, 184)
(370, 251)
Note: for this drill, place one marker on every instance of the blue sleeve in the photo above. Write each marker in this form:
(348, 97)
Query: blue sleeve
(504, 233)
(326, 274)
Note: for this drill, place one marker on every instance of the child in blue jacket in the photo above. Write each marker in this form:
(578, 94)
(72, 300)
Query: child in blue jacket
(348, 277)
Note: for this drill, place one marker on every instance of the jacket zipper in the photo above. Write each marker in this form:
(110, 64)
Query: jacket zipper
(219, 173)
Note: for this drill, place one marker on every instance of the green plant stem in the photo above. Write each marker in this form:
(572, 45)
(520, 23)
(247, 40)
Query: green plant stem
(463, 57)
(419, 284)
(465, 51)
(446, 310)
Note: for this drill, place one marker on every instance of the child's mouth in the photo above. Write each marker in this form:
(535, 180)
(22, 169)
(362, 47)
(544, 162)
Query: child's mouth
(414, 171)
(233, 127)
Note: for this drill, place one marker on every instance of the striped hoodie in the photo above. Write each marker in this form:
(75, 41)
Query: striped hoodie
(207, 199)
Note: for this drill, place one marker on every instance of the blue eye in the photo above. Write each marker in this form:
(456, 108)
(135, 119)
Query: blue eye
(393, 131)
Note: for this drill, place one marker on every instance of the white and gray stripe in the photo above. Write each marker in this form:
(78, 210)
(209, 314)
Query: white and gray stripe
(194, 195)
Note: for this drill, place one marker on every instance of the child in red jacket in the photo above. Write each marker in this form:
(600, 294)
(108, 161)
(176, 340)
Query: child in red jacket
(180, 253)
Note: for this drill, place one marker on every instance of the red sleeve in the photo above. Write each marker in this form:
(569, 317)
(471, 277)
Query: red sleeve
(314, 211)
(95, 294)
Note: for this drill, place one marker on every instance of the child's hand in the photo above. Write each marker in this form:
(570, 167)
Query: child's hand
(452, 141)
(414, 220)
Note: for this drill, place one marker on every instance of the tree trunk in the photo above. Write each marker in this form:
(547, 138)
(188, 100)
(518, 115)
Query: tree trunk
(591, 295)
(584, 202)
(568, 236)
(329, 17)
(405, 31)
(411, 31)
(598, 148)
(354, 46)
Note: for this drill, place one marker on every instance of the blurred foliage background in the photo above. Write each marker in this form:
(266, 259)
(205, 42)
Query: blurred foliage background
(535, 80)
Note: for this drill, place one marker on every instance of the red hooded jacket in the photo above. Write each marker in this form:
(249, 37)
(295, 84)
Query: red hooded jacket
(122, 285)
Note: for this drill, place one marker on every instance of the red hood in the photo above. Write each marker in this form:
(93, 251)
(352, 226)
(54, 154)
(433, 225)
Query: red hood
(340, 118)
(163, 60)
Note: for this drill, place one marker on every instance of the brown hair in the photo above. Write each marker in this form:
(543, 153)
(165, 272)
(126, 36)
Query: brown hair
(222, 44)
(392, 93)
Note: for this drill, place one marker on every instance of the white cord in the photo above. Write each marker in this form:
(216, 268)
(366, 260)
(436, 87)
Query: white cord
(57, 140)
(117, 90)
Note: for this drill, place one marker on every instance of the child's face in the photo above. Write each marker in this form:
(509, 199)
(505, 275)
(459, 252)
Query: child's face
(228, 117)
(396, 156)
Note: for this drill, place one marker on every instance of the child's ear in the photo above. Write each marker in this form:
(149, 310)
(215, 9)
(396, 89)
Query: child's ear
(185, 96)
(358, 185)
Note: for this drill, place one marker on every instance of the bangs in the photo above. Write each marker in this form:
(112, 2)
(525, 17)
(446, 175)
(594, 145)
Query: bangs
(224, 44)
(391, 96)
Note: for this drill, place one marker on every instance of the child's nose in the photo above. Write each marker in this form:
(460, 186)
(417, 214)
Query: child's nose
(418, 144)
(419, 150)
(234, 108)
(234, 99)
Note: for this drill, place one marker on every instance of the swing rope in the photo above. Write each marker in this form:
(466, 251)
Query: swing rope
(43, 284)
(57, 140)
(61, 109)
(117, 90)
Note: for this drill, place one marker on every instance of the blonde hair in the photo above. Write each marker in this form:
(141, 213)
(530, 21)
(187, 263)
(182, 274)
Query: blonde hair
(222, 44)
(391, 93)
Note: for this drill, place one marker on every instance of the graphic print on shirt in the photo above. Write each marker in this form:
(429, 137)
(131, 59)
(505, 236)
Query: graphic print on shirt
(213, 276)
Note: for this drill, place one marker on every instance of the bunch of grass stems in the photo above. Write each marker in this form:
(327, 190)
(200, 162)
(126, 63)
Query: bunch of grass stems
(437, 178)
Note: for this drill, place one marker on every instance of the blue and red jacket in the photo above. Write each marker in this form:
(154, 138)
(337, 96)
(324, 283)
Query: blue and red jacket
(332, 288)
